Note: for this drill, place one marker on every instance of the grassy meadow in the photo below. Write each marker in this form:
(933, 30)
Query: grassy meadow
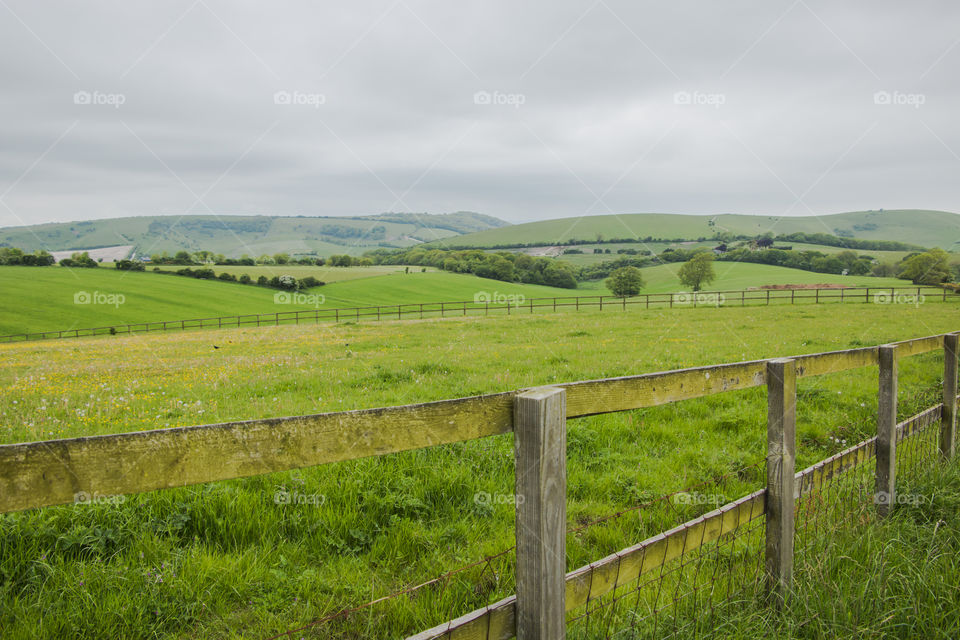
(590, 258)
(225, 560)
(42, 298)
(733, 276)
(324, 274)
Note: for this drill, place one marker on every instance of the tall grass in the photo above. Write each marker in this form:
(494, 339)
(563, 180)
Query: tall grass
(229, 560)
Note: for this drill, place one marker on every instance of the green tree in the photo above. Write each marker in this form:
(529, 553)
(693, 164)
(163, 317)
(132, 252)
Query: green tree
(884, 270)
(558, 274)
(698, 271)
(931, 267)
(625, 282)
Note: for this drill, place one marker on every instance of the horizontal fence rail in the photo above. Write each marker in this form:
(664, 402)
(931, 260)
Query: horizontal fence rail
(591, 582)
(510, 305)
(52, 472)
(39, 474)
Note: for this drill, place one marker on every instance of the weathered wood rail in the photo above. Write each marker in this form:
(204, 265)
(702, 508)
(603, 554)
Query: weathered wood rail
(52, 472)
(422, 310)
(39, 474)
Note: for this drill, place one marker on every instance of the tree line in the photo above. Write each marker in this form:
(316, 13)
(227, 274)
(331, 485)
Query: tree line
(501, 265)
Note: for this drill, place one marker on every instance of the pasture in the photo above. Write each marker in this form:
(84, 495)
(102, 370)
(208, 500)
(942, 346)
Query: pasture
(325, 273)
(226, 560)
(742, 275)
(42, 298)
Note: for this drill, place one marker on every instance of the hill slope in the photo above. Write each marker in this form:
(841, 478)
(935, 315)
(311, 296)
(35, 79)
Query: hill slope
(732, 276)
(45, 296)
(925, 228)
(234, 236)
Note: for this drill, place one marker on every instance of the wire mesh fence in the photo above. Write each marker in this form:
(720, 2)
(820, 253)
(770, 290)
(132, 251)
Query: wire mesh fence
(672, 596)
(682, 580)
(686, 596)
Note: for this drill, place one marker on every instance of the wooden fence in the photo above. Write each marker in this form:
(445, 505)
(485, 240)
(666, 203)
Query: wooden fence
(39, 474)
(509, 304)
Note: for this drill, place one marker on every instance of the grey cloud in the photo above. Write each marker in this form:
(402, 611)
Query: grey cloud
(782, 104)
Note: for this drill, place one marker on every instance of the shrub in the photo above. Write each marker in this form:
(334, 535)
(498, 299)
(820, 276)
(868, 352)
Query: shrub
(625, 282)
(130, 265)
(82, 260)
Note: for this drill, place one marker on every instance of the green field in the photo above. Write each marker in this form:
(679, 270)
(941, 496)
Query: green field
(924, 228)
(225, 561)
(324, 273)
(42, 298)
(589, 258)
(733, 276)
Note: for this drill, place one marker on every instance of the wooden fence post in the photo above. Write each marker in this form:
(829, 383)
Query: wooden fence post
(948, 419)
(540, 439)
(886, 494)
(781, 462)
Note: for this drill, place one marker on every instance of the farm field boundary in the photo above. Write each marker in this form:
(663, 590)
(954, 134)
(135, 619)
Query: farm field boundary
(490, 303)
(549, 600)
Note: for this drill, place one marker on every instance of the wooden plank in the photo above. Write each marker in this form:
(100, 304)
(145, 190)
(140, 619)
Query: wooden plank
(540, 449)
(948, 418)
(50, 472)
(494, 622)
(812, 478)
(38, 474)
(816, 364)
(907, 348)
(781, 460)
(593, 581)
(886, 493)
(652, 389)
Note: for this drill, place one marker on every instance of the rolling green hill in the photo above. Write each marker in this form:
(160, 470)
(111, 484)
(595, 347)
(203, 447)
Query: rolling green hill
(924, 228)
(234, 236)
(44, 297)
(324, 274)
(741, 275)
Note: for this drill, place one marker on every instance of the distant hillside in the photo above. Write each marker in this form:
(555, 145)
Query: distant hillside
(919, 227)
(234, 236)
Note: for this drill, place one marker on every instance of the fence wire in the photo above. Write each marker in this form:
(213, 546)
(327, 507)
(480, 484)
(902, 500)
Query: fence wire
(689, 595)
(683, 594)
(670, 593)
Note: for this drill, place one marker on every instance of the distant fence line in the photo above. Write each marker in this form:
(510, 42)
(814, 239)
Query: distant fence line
(484, 304)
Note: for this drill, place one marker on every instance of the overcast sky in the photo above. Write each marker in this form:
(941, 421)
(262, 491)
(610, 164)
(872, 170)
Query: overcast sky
(521, 110)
